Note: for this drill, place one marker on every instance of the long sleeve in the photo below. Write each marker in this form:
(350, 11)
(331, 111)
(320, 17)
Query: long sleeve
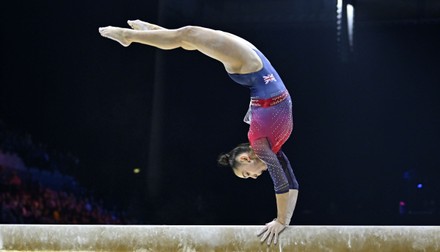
(262, 149)
(284, 161)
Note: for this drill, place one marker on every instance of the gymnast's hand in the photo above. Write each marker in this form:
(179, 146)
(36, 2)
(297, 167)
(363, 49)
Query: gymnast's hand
(271, 231)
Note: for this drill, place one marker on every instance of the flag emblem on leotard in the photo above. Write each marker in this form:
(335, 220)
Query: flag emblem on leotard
(268, 78)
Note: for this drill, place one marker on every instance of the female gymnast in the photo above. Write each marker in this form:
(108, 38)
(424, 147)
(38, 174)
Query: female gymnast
(270, 109)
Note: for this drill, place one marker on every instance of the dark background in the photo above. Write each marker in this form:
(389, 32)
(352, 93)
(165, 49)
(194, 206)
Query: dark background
(366, 117)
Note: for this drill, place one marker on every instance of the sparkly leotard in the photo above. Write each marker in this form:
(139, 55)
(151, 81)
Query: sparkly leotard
(271, 122)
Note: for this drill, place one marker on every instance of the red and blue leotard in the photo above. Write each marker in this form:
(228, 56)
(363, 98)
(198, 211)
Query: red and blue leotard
(271, 122)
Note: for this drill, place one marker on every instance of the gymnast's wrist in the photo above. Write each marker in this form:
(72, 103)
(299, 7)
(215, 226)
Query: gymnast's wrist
(284, 223)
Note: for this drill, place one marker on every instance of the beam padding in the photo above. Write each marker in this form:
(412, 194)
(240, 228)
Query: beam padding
(216, 238)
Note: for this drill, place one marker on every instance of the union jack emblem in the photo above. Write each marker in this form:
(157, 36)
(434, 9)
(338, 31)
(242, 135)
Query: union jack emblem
(268, 78)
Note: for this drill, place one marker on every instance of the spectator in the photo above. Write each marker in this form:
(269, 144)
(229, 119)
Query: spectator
(26, 199)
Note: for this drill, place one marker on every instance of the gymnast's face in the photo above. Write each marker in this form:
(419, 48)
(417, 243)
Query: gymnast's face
(250, 166)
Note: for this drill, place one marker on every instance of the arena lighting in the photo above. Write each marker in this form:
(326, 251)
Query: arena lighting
(345, 29)
(350, 24)
(339, 18)
(339, 8)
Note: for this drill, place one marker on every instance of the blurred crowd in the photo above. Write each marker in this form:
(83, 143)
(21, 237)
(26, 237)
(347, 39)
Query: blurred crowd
(36, 187)
(35, 154)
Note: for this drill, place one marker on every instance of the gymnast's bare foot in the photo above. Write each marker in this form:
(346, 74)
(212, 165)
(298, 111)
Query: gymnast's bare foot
(142, 25)
(114, 33)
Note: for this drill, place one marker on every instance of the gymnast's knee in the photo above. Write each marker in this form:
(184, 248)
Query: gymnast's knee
(187, 34)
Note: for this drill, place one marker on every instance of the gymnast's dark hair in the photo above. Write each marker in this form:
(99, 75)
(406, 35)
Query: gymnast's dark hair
(229, 159)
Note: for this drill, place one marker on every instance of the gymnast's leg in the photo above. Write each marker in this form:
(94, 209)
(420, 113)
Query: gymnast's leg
(142, 25)
(145, 26)
(236, 54)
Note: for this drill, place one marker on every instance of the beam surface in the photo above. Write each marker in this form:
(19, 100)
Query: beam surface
(216, 238)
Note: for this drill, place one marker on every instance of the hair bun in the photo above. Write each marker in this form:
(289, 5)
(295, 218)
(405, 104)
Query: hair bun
(223, 159)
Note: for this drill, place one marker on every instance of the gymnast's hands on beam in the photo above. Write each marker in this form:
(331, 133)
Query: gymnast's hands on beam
(271, 231)
(286, 203)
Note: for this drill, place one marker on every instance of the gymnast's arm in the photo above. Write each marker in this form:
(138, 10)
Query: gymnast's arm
(293, 185)
(285, 198)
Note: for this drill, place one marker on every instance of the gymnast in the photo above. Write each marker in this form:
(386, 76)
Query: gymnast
(270, 108)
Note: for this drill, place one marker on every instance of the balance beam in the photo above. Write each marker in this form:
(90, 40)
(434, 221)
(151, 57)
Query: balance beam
(216, 238)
